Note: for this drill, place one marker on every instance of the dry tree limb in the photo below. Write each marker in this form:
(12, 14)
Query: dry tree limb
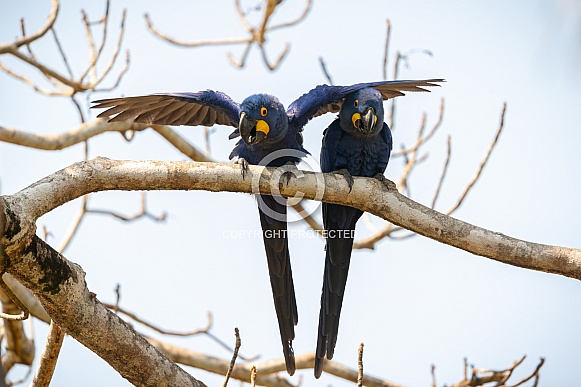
(389, 229)
(399, 57)
(49, 357)
(253, 376)
(257, 35)
(62, 52)
(443, 174)
(210, 42)
(491, 378)
(65, 83)
(30, 83)
(360, 366)
(61, 288)
(26, 40)
(94, 128)
(26, 297)
(421, 139)
(482, 165)
(386, 49)
(115, 307)
(8, 292)
(19, 348)
(218, 366)
(23, 208)
(143, 213)
(433, 372)
(367, 194)
(205, 331)
(234, 356)
(325, 71)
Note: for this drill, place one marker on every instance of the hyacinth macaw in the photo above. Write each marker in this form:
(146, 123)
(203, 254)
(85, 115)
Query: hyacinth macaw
(264, 127)
(357, 143)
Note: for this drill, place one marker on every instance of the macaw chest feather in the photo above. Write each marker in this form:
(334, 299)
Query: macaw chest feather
(362, 158)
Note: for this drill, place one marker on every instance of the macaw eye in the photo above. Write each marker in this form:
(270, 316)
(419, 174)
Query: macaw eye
(356, 103)
(263, 111)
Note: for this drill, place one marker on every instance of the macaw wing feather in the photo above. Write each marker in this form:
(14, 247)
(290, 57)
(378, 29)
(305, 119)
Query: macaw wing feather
(201, 108)
(328, 99)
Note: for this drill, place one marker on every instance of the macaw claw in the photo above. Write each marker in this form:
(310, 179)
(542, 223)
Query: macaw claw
(390, 185)
(347, 176)
(243, 166)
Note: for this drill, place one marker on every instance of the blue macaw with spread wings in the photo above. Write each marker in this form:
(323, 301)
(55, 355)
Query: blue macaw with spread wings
(264, 127)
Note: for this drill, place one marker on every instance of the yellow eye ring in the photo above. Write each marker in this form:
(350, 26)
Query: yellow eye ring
(263, 111)
(356, 103)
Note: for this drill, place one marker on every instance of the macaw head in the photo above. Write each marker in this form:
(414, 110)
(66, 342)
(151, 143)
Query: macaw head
(262, 119)
(361, 113)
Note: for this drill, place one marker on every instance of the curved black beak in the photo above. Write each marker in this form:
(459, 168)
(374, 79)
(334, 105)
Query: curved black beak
(247, 129)
(367, 122)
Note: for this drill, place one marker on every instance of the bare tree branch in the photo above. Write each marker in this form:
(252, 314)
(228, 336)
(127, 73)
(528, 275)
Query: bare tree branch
(26, 40)
(234, 356)
(8, 292)
(61, 288)
(360, 366)
(482, 164)
(492, 378)
(257, 34)
(325, 71)
(49, 356)
(103, 174)
(386, 49)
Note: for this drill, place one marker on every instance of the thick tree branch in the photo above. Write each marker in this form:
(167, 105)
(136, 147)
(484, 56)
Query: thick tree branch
(368, 195)
(60, 287)
(59, 284)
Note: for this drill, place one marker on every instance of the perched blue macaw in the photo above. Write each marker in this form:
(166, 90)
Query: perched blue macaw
(357, 143)
(264, 127)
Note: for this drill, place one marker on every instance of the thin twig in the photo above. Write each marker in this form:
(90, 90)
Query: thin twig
(25, 40)
(277, 63)
(325, 71)
(140, 320)
(253, 376)
(74, 226)
(299, 19)
(311, 221)
(386, 49)
(61, 51)
(115, 55)
(360, 366)
(31, 84)
(421, 140)
(23, 30)
(216, 42)
(234, 356)
(433, 369)
(257, 34)
(141, 214)
(17, 302)
(444, 170)
(482, 165)
(242, 60)
(49, 356)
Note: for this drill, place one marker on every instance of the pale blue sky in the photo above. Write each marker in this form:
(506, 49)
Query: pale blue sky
(412, 303)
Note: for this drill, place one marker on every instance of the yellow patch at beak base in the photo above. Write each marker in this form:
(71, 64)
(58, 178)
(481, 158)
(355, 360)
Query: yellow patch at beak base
(262, 126)
(354, 118)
